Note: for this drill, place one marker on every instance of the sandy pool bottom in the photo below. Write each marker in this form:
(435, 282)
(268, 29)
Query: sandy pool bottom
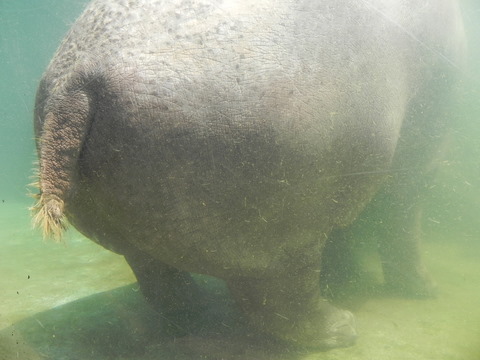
(77, 301)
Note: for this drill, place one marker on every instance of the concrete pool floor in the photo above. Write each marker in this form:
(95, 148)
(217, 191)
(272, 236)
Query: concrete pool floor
(77, 301)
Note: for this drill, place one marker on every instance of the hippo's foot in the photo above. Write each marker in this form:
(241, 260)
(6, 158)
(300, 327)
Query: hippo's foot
(325, 328)
(340, 329)
(294, 312)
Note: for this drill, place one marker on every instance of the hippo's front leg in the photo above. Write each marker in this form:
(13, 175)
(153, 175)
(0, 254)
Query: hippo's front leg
(290, 307)
(399, 234)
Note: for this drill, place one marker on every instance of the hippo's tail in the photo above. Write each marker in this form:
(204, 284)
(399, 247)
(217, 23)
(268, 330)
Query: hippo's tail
(61, 124)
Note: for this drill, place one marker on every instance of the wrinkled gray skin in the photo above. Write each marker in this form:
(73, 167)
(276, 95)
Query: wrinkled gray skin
(231, 137)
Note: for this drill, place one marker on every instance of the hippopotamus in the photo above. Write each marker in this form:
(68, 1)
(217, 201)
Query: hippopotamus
(236, 138)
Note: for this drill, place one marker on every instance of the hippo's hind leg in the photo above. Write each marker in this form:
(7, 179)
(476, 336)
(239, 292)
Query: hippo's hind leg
(169, 291)
(290, 307)
(340, 265)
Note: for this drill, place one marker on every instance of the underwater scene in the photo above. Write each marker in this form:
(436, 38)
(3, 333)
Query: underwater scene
(65, 297)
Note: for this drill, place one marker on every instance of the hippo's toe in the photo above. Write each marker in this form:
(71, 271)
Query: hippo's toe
(341, 330)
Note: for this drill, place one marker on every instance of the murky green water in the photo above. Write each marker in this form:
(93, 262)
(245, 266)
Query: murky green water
(78, 301)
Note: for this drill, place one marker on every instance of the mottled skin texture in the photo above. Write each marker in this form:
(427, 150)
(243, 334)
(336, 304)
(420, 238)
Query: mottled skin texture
(230, 137)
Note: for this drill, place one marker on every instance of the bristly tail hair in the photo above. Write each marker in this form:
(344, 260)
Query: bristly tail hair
(60, 141)
(47, 215)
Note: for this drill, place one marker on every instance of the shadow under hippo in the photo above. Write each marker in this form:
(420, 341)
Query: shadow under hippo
(119, 324)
